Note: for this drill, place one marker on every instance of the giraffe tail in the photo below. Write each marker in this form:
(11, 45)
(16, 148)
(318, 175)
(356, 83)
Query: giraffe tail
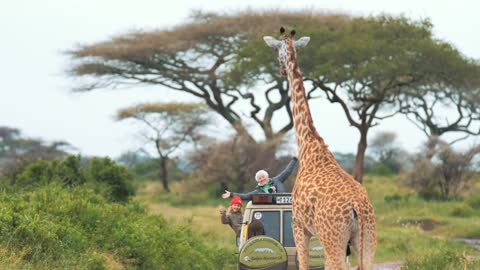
(361, 234)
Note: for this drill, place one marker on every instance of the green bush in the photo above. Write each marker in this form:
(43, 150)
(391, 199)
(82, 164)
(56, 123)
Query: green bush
(380, 169)
(474, 202)
(146, 170)
(396, 200)
(102, 174)
(116, 177)
(37, 174)
(53, 227)
(463, 211)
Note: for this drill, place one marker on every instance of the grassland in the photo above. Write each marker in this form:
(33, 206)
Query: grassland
(409, 228)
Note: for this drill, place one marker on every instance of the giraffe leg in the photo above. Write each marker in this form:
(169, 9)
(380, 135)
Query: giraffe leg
(369, 246)
(302, 241)
(335, 250)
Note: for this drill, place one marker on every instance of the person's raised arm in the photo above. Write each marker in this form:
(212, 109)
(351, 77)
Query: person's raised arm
(224, 218)
(243, 196)
(226, 194)
(288, 170)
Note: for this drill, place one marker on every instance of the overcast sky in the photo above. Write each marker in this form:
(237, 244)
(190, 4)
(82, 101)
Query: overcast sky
(35, 93)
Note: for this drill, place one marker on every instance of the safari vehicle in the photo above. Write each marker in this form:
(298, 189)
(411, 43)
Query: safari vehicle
(276, 248)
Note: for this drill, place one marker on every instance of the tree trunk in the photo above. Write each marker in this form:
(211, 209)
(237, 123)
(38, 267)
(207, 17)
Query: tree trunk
(431, 146)
(164, 173)
(360, 157)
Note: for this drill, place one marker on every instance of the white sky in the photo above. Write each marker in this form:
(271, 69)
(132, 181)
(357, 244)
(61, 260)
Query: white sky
(35, 92)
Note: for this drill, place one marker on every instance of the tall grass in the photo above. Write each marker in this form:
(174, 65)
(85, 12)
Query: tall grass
(57, 228)
(409, 229)
(441, 259)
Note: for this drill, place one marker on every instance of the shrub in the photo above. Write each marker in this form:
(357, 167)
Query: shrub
(102, 174)
(474, 202)
(53, 227)
(37, 174)
(392, 198)
(463, 211)
(380, 169)
(442, 172)
(396, 200)
(116, 177)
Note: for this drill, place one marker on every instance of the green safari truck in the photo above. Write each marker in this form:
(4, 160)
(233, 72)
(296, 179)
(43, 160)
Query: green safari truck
(274, 248)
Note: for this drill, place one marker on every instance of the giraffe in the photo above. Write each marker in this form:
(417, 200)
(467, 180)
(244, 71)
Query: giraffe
(327, 201)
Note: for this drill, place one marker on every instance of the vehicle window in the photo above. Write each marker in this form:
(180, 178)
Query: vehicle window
(271, 222)
(288, 240)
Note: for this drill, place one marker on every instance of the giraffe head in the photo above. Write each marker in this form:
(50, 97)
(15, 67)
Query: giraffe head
(285, 46)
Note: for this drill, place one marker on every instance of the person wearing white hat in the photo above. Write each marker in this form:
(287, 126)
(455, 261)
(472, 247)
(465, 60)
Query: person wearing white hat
(266, 184)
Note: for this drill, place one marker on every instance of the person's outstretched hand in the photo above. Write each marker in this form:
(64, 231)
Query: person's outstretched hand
(295, 153)
(226, 194)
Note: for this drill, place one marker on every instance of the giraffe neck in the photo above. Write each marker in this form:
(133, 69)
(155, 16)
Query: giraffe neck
(306, 132)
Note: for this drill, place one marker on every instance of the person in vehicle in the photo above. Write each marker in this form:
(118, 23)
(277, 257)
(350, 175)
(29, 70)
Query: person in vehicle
(233, 216)
(266, 184)
(255, 228)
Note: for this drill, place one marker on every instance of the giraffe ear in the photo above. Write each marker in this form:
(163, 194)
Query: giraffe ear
(302, 42)
(272, 42)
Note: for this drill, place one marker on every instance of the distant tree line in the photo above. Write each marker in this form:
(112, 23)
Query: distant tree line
(27, 164)
(439, 171)
(18, 151)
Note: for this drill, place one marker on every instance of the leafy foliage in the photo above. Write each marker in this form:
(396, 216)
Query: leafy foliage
(463, 211)
(102, 174)
(372, 67)
(116, 178)
(53, 227)
(369, 66)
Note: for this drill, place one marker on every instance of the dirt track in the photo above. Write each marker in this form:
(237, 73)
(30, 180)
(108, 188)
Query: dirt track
(388, 266)
(385, 266)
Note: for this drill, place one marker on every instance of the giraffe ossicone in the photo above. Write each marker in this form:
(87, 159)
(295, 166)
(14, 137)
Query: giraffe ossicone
(275, 43)
(327, 201)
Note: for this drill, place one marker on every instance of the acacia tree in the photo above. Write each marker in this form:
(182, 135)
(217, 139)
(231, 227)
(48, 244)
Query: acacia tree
(379, 59)
(168, 126)
(361, 64)
(364, 65)
(199, 58)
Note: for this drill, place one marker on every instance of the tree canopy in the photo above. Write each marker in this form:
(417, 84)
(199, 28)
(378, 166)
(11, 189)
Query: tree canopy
(365, 65)
(198, 58)
(372, 68)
